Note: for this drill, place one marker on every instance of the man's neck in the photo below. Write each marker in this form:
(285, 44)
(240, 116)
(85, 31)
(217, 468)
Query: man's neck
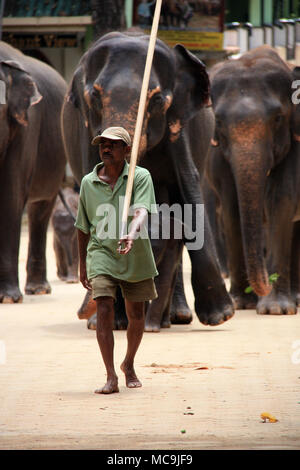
(110, 173)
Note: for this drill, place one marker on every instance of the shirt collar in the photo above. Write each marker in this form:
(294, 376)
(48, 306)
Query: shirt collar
(95, 177)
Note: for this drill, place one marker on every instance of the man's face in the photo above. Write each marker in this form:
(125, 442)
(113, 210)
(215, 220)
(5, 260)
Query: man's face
(112, 151)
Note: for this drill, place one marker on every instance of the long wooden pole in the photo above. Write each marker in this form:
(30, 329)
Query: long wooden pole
(140, 116)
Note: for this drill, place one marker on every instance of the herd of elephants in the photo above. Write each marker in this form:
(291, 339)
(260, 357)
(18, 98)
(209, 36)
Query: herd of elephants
(228, 138)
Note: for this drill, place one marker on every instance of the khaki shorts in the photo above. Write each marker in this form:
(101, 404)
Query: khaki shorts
(106, 286)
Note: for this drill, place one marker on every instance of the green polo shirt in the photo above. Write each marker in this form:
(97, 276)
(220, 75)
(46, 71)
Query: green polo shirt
(100, 214)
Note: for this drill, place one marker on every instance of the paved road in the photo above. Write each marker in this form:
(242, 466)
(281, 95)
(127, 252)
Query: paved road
(203, 387)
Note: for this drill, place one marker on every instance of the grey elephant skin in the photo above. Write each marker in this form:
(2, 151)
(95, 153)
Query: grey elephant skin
(32, 163)
(105, 92)
(254, 168)
(65, 235)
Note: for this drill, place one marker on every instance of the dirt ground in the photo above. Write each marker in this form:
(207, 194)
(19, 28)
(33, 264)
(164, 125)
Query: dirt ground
(203, 387)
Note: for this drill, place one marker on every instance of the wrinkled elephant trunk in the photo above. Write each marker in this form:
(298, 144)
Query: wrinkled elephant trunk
(116, 112)
(250, 167)
(129, 124)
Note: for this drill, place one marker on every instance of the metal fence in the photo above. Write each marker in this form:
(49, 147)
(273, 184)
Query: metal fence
(284, 35)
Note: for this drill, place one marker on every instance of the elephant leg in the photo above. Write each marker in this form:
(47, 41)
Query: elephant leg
(180, 311)
(38, 218)
(61, 262)
(12, 206)
(214, 214)
(158, 312)
(87, 308)
(9, 253)
(213, 304)
(73, 268)
(280, 232)
(166, 320)
(295, 263)
(121, 321)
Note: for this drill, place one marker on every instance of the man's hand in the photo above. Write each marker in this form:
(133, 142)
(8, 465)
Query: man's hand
(83, 278)
(83, 240)
(135, 226)
(128, 242)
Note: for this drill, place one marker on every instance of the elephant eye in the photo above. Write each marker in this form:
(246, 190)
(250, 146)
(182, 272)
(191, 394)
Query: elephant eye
(96, 99)
(95, 93)
(278, 119)
(156, 104)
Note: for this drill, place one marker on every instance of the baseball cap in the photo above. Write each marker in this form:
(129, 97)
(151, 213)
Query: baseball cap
(114, 133)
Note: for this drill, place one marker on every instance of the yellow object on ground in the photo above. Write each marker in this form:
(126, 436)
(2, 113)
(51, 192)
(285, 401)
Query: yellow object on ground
(268, 416)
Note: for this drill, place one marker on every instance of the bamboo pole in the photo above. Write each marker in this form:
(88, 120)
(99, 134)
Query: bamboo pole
(140, 117)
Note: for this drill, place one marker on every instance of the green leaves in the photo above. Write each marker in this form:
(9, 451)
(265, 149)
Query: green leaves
(248, 290)
(272, 278)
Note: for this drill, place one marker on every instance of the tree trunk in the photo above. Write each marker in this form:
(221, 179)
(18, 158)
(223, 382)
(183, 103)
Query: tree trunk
(107, 15)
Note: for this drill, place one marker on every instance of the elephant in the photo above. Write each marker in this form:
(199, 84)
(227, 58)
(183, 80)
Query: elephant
(64, 235)
(32, 165)
(254, 169)
(105, 92)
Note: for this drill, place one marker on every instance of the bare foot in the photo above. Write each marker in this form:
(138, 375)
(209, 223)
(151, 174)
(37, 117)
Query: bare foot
(111, 386)
(131, 379)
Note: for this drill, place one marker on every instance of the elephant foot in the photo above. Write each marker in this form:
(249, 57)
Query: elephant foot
(10, 295)
(276, 305)
(92, 322)
(120, 323)
(72, 280)
(88, 307)
(37, 288)
(181, 316)
(215, 317)
(165, 323)
(244, 301)
(151, 327)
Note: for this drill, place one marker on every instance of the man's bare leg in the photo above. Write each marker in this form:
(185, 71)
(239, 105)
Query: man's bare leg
(136, 322)
(105, 322)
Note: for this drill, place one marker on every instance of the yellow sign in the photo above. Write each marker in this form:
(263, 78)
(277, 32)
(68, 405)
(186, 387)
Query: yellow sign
(193, 40)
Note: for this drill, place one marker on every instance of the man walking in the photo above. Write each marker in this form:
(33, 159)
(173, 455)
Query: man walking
(106, 261)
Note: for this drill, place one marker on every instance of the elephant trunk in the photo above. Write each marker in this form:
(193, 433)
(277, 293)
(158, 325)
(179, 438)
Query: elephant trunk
(250, 167)
(116, 112)
(128, 121)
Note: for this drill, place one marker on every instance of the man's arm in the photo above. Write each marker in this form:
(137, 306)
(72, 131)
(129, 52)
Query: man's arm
(135, 226)
(83, 240)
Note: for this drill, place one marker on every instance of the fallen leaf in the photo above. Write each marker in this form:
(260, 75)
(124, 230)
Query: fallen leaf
(268, 416)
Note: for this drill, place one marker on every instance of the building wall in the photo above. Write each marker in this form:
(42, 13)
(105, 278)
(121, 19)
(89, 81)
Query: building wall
(64, 60)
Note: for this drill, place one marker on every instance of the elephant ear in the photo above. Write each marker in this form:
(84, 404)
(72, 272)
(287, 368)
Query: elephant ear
(22, 91)
(74, 94)
(191, 90)
(295, 122)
